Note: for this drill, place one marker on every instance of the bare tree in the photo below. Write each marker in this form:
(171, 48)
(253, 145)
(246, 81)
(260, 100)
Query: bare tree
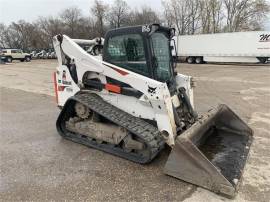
(145, 16)
(48, 27)
(87, 28)
(4, 39)
(188, 16)
(99, 10)
(184, 15)
(211, 16)
(18, 35)
(168, 15)
(179, 9)
(205, 16)
(194, 15)
(51, 26)
(216, 15)
(71, 17)
(118, 14)
(241, 14)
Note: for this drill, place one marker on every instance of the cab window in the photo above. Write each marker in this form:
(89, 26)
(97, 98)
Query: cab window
(161, 49)
(127, 51)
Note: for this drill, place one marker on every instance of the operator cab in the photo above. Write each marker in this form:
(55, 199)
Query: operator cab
(144, 50)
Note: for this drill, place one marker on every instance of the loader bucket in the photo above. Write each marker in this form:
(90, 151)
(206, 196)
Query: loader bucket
(213, 152)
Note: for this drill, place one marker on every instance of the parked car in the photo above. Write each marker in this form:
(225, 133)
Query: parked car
(52, 55)
(16, 54)
(33, 54)
(41, 54)
(2, 59)
(47, 55)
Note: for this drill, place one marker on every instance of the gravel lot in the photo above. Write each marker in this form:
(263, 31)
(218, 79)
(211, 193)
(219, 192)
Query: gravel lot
(38, 165)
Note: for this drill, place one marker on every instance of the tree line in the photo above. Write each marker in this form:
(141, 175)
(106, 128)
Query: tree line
(187, 16)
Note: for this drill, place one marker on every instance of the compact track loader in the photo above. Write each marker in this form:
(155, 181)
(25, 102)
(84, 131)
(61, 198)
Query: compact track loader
(129, 101)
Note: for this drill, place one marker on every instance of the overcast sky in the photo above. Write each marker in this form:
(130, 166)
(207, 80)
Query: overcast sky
(30, 10)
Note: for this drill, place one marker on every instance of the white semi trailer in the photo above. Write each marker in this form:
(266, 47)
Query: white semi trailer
(244, 47)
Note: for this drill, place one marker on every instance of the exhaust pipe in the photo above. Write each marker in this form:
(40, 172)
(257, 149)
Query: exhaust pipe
(213, 152)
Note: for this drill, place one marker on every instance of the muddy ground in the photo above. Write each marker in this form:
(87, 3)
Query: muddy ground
(37, 164)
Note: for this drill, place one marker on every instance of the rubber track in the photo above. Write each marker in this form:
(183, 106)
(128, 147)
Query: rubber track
(138, 127)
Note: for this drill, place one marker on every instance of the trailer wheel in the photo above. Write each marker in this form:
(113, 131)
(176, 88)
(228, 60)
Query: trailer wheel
(199, 60)
(190, 60)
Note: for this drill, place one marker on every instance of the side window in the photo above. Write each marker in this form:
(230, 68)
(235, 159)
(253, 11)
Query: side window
(4, 51)
(13, 51)
(127, 51)
(162, 53)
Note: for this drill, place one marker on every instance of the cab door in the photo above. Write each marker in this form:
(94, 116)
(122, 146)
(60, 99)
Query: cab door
(15, 54)
(20, 54)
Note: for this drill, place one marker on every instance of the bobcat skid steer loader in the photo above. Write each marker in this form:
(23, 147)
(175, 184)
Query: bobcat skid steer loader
(129, 101)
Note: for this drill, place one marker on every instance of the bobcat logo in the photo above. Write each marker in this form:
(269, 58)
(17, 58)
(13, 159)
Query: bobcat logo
(152, 90)
(264, 38)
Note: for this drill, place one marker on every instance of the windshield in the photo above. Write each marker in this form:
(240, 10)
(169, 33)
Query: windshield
(161, 51)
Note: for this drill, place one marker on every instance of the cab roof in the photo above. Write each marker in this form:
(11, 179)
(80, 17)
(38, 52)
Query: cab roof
(141, 29)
